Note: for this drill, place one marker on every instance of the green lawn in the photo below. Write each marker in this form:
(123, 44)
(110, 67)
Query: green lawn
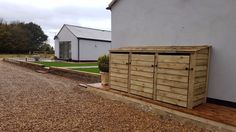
(93, 70)
(66, 64)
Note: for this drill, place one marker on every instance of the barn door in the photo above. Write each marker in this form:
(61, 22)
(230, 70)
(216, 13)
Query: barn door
(119, 65)
(141, 79)
(172, 78)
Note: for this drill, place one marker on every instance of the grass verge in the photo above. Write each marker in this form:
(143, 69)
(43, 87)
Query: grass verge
(66, 64)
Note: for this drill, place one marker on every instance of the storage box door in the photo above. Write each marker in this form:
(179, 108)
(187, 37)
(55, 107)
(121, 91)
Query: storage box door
(142, 69)
(172, 78)
(119, 71)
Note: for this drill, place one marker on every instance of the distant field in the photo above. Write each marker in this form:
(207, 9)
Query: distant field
(21, 55)
(66, 64)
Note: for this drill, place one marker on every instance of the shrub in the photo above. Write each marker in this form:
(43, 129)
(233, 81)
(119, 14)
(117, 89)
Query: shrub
(36, 57)
(103, 63)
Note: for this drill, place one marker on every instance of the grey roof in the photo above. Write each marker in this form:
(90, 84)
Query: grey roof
(111, 4)
(89, 33)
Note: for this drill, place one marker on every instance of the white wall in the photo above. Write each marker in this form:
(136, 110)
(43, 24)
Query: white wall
(66, 35)
(57, 54)
(185, 22)
(91, 50)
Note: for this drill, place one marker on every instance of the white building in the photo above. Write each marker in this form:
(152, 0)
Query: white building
(81, 44)
(183, 22)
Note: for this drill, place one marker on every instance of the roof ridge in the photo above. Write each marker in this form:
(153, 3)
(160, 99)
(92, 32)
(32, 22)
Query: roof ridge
(87, 27)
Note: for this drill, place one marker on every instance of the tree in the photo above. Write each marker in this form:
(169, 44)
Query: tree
(36, 36)
(18, 37)
(47, 47)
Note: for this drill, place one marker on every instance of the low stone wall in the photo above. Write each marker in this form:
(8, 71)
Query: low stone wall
(76, 75)
(29, 65)
(85, 77)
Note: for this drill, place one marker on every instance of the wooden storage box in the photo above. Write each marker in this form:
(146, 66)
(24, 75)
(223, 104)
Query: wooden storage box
(172, 74)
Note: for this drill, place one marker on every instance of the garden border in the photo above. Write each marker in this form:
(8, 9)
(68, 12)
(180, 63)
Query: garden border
(85, 77)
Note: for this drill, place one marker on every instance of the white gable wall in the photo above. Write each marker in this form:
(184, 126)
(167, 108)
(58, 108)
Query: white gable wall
(185, 22)
(66, 35)
(91, 49)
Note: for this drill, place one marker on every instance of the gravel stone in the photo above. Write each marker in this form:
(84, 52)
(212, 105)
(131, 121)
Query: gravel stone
(31, 101)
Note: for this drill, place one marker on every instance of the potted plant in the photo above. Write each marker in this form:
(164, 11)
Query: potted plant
(103, 65)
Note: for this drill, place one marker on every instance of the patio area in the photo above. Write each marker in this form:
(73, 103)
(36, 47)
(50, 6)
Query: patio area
(208, 113)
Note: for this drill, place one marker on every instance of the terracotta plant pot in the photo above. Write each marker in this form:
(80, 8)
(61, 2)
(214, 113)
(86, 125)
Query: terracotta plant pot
(104, 78)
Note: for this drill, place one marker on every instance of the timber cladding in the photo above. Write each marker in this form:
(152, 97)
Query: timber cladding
(173, 74)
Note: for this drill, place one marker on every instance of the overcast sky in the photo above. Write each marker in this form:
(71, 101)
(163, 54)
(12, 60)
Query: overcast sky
(52, 14)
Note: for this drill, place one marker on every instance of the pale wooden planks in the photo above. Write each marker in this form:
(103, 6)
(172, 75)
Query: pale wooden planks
(143, 84)
(115, 56)
(147, 95)
(142, 74)
(173, 77)
(172, 89)
(172, 101)
(142, 69)
(177, 66)
(172, 95)
(142, 89)
(142, 63)
(173, 59)
(142, 57)
(172, 83)
(173, 71)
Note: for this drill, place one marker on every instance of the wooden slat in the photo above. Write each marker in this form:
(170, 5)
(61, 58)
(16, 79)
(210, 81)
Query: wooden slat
(142, 69)
(201, 68)
(141, 57)
(199, 85)
(173, 78)
(173, 72)
(197, 97)
(207, 77)
(198, 102)
(144, 79)
(119, 75)
(173, 66)
(172, 95)
(118, 84)
(203, 51)
(143, 84)
(199, 91)
(202, 56)
(142, 63)
(191, 81)
(141, 89)
(116, 70)
(143, 74)
(172, 89)
(117, 79)
(201, 62)
(200, 74)
(119, 66)
(113, 61)
(173, 59)
(147, 95)
(172, 101)
(200, 79)
(119, 56)
(172, 83)
(119, 88)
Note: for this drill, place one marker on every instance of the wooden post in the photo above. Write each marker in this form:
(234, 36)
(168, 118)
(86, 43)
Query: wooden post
(129, 71)
(207, 78)
(155, 76)
(191, 79)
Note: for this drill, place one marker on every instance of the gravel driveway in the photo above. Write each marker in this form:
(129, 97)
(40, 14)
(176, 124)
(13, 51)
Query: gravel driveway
(31, 101)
